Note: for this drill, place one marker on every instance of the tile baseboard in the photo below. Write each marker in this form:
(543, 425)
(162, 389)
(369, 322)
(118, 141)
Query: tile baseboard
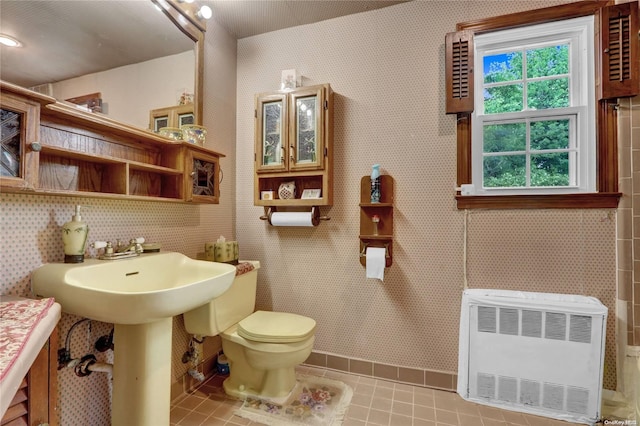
(414, 376)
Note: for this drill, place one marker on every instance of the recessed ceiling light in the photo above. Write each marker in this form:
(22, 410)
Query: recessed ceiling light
(9, 41)
(205, 12)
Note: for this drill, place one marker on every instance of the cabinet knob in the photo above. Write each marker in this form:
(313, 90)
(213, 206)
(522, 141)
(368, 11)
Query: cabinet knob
(35, 146)
(192, 174)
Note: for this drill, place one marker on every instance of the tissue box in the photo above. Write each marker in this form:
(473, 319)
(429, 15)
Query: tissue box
(225, 252)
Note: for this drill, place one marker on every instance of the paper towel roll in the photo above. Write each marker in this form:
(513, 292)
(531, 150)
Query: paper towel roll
(376, 261)
(292, 219)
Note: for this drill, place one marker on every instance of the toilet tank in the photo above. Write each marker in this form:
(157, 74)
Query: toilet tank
(235, 304)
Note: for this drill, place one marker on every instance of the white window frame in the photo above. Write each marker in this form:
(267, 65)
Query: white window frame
(578, 33)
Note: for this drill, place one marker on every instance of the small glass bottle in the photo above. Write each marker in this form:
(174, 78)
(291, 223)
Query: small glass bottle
(375, 183)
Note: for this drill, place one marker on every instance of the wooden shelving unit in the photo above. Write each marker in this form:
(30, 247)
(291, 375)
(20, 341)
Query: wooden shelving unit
(64, 151)
(384, 211)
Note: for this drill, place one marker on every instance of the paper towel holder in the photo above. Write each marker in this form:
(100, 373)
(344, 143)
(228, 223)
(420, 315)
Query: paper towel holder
(315, 215)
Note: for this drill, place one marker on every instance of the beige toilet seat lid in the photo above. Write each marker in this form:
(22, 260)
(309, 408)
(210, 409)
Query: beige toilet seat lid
(276, 327)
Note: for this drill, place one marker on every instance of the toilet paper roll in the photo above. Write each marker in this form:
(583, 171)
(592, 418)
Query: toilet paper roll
(376, 262)
(292, 219)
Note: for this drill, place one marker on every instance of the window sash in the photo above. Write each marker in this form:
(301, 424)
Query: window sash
(579, 164)
(577, 33)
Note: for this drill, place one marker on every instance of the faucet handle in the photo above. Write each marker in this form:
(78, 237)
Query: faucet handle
(99, 244)
(137, 243)
(106, 245)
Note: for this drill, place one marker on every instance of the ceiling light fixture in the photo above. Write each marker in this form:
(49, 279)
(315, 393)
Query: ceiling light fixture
(10, 41)
(204, 12)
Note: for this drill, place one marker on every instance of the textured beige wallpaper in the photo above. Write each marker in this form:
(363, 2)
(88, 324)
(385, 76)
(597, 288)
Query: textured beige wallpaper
(386, 67)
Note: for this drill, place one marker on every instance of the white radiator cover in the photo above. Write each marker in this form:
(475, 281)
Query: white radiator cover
(536, 353)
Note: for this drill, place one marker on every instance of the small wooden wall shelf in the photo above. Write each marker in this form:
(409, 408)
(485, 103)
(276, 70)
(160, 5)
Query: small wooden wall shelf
(384, 211)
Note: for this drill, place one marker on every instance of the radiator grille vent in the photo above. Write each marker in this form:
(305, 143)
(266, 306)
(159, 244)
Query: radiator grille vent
(580, 329)
(554, 396)
(486, 319)
(509, 323)
(531, 323)
(555, 324)
(538, 353)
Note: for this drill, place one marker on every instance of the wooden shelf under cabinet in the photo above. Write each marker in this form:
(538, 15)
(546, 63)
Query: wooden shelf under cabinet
(64, 170)
(384, 210)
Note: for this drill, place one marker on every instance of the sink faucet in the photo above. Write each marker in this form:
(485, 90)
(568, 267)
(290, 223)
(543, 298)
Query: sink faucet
(135, 246)
(120, 251)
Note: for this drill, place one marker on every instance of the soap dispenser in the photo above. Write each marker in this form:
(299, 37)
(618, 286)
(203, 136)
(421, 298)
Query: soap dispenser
(74, 238)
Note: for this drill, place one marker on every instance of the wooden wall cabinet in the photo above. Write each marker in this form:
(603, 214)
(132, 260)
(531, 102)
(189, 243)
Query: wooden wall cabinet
(380, 234)
(70, 152)
(174, 116)
(20, 119)
(294, 142)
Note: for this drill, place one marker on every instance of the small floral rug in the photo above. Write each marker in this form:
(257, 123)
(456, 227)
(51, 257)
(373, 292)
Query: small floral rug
(313, 401)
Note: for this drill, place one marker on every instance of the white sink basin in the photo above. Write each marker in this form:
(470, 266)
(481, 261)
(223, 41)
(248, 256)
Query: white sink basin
(139, 296)
(137, 290)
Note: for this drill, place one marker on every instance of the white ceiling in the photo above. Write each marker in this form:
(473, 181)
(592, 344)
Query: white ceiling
(244, 18)
(68, 38)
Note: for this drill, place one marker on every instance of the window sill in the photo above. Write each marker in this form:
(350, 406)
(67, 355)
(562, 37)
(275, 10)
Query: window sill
(598, 200)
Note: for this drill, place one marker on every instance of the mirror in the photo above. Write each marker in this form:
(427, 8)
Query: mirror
(119, 58)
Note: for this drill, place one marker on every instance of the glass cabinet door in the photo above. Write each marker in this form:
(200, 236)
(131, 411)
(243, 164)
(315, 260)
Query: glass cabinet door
(306, 150)
(204, 185)
(271, 131)
(19, 147)
(11, 143)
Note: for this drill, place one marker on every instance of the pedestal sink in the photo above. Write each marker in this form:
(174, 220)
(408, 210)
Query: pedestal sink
(139, 296)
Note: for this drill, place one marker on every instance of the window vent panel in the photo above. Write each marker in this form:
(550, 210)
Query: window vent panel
(460, 69)
(486, 319)
(531, 323)
(509, 321)
(555, 326)
(580, 329)
(619, 48)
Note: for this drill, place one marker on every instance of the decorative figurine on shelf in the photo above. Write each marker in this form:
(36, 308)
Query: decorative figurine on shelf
(287, 190)
(375, 219)
(375, 183)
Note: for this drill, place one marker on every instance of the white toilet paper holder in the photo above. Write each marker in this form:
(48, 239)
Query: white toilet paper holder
(363, 253)
(315, 215)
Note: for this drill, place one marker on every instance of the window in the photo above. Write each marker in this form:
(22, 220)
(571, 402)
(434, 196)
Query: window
(537, 122)
(534, 125)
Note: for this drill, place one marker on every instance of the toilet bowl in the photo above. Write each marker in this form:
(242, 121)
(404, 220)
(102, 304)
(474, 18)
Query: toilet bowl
(263, 348)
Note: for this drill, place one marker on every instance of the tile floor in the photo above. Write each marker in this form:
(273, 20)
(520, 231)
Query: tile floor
(374, 402)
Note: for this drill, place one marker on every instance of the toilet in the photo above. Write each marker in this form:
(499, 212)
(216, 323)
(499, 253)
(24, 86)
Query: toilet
(263, 348)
